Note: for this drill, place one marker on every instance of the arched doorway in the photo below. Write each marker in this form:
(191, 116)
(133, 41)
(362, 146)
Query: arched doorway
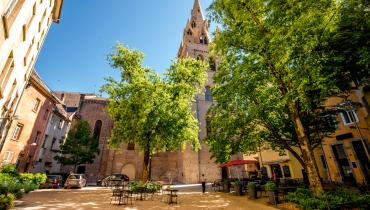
(129, 170)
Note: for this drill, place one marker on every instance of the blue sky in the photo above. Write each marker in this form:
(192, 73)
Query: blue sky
(74, 54)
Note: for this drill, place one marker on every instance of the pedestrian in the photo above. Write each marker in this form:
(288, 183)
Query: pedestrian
(203, 184)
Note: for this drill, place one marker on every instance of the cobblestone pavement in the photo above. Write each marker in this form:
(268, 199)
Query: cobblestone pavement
(99, 198)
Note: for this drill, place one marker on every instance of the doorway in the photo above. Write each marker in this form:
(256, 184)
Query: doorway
(224, 173)
(276, 169)
(362, 157)
(81, 169)
(343, 164)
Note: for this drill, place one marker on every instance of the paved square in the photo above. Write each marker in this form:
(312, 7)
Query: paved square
(99, 198)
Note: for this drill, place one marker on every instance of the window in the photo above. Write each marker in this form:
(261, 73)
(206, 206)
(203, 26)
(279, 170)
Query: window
(52, 144)
(208, 95)
(189, 32)
(10, 14)
(193, 24)
(36, 105)
(203, 40)
(60, 124)
(46, 114)
(36, 139)
(286, 171)
(200, 58)
(28, 24)
(8, 157)
(28, 52)
(349, 117)
(71, 109)
(44, 141)
(11, 100)
(97, 129)
(17, 131)
(131, 146)
(6, 72)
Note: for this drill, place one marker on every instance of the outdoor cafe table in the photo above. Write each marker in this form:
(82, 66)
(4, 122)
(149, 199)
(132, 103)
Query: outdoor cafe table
(172, 193)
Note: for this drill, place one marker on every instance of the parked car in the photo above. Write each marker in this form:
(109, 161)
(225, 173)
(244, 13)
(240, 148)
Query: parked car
(53, 181)
(114, 179)
(75, 181)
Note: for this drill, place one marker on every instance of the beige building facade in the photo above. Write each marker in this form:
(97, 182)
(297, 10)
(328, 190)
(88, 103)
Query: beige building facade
(23, 28)
(25, 132)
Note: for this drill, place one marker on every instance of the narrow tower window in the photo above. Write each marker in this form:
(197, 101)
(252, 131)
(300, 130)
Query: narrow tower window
(97, 129)
(203, 40)
(193, 24)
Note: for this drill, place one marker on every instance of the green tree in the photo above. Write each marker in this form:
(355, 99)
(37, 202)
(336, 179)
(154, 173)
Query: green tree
(80, 147)
(151, 112)
(348, 48)
(269, 54)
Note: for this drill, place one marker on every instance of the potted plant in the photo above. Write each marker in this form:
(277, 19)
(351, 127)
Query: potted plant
(270, 187)
(227, 183)
(238, 187)
(252, 191)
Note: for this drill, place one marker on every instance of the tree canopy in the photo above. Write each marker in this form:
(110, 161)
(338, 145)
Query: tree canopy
(80, 147)
(150, 111)
(272, 77)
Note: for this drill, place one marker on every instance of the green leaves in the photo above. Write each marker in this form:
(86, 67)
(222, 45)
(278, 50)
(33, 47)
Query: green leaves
(80, 147)
(152, 112)
(270, 71)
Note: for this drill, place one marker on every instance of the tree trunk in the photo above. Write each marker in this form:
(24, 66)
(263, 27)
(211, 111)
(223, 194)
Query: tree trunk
(308, 156)
(297, 156)
(146, 166)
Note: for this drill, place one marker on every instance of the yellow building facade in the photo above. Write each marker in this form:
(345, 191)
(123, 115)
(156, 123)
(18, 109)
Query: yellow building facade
(345, 154)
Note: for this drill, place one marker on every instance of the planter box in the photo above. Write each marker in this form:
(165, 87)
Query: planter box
(252, 192)
(226, 187)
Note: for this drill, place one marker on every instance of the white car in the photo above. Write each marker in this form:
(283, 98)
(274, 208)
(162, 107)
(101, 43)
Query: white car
(75, 181)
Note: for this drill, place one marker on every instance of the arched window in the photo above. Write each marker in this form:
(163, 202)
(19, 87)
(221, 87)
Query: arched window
(203, 40)
(200, 58)
(212, 64)
(131, 146)
(97, 129)
(208, 95)
(189, 32)
(193, 24)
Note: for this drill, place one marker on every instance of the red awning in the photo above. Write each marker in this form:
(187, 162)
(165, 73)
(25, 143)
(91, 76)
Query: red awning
(237, 162)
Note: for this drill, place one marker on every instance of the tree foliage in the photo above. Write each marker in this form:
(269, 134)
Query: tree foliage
(150, 111)
(80, 147)
(348, 46)
(272, 78)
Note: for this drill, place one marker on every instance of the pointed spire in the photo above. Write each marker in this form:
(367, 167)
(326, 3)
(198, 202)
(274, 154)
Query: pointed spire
(197, 10)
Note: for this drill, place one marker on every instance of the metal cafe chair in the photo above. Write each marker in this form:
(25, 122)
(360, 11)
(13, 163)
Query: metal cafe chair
(116, 196)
